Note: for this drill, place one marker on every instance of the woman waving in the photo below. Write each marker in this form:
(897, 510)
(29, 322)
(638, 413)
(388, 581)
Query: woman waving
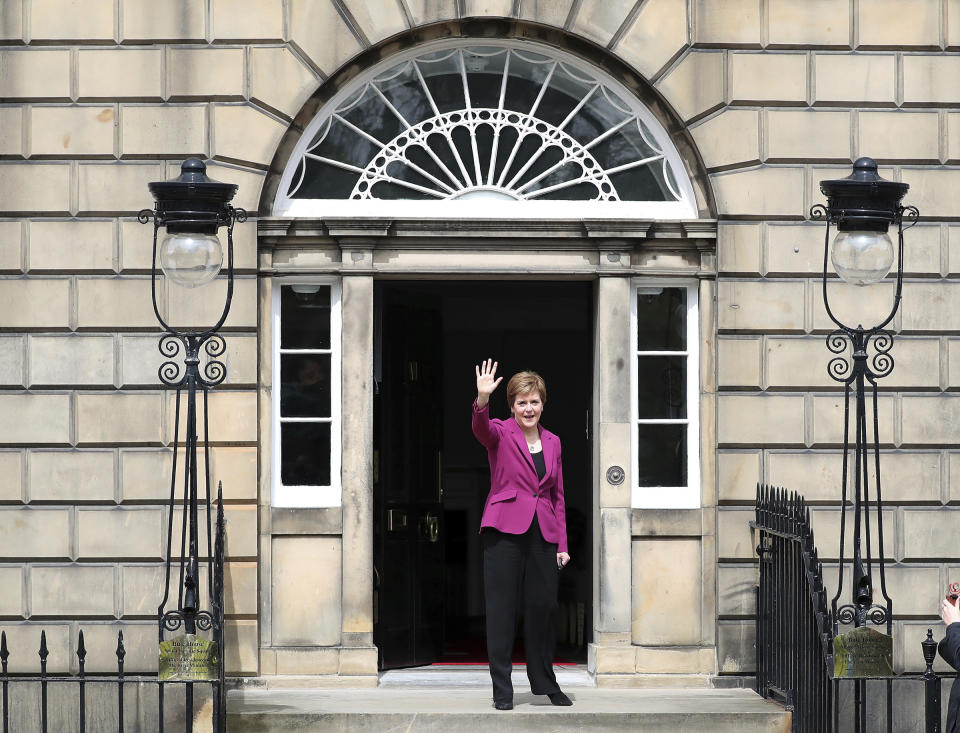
(524, 533)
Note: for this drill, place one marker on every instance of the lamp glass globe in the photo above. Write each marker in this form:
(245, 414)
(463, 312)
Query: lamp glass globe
(191, 259)
(862, 257)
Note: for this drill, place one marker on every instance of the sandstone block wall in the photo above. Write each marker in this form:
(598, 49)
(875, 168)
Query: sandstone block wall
(87, 434)
(99, 98)
(809, 87)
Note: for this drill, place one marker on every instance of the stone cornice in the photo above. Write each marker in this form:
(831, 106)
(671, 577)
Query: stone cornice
(381, 231)
(388, 247)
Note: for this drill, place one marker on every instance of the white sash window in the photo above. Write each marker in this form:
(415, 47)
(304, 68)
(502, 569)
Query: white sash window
(666, 435)
(306, 394)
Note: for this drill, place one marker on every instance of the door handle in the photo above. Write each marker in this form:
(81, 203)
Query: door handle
(396, 520)
(430, 527)
(440, 477)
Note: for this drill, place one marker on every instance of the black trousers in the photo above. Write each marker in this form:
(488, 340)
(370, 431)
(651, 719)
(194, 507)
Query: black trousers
(520, 572)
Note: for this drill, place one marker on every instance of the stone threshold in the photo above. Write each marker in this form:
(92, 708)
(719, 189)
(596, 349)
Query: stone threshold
(419, 707)
(478, 676)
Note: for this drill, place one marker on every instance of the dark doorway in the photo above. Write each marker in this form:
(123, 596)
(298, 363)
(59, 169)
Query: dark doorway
(431, 476)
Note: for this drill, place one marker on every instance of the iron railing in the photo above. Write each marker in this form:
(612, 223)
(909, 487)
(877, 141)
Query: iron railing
(794, 636)
(794, 644)
(18, 686)
(47, 702)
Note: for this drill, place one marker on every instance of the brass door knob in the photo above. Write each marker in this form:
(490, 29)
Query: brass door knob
(430, 527)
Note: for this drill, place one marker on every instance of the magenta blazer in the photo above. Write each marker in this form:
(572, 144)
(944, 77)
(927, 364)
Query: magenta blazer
(515, 491)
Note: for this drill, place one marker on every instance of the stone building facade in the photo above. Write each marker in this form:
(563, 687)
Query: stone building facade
(758, 99)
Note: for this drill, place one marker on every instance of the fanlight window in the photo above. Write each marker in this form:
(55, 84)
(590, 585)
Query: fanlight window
(496, 123)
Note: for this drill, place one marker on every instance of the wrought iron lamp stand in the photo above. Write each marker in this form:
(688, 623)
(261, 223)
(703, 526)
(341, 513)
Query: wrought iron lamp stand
(864, 201)
(193, 203)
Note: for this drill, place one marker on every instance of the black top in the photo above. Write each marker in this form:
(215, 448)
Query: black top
(539, 464)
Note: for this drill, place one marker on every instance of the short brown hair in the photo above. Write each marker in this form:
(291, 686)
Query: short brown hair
(523, 382)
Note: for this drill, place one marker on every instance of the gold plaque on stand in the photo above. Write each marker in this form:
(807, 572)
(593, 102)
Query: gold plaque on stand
(187, 658)
(863, 652)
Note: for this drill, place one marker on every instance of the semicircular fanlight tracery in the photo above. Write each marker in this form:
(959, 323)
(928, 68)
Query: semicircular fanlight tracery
(485, 121)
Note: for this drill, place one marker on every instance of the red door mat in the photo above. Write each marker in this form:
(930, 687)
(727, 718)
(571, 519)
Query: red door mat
(474, 651)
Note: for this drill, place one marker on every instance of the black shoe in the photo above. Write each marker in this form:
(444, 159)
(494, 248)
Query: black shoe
(504, 704)
(558, 698)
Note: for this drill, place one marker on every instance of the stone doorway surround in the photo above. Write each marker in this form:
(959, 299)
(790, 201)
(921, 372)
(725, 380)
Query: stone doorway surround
(317, 621)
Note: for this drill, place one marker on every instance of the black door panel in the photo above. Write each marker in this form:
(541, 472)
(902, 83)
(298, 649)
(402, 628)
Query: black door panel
(408, 513)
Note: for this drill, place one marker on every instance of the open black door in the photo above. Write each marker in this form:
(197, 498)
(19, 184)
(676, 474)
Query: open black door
(431, 476)
(408, 513)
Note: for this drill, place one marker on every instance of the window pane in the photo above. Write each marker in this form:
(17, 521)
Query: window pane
(563, 95)
(441, 72)
(662, 386)
(662, 455)
(624, 146)
(305, 385)
(338, 141)
(371, 115)
(484, 75)
(305, 454)
(528, 72)
(644, 183)
(662, 319)
(305, 319)
(322, 180)
(602, 112)
(401, 86)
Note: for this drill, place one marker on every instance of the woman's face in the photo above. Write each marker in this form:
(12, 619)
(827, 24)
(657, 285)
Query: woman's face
(526, 409)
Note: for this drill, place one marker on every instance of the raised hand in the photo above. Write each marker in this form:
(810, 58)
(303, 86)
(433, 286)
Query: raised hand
(486, 381)
(949, 612)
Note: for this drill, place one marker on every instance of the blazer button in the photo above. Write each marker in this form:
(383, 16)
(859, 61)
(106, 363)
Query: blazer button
(536, 496)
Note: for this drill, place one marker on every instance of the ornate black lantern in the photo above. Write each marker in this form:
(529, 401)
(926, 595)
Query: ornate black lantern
(863, 206)
(192, 208)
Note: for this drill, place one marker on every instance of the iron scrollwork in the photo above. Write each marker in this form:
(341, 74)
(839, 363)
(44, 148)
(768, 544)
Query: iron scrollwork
(881, 363)
(910, 214)
(170, 372)
(839, 367)
(860, 352)
(227, 216)
(205, 374)
(849, 613)
(214, 371)
(175, 620)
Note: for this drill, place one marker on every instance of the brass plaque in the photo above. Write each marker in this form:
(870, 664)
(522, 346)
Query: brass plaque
(188, 657)
(863, 652)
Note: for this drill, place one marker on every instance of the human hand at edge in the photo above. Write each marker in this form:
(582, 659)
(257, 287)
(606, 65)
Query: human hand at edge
(950, 612)
(562, 559)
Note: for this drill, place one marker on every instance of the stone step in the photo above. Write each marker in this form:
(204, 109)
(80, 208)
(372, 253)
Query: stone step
(418, 705)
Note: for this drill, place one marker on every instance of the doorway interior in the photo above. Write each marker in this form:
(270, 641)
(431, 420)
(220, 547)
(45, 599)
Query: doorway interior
(431, 476)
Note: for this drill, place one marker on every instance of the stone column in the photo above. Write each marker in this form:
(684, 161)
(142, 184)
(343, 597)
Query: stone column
(358, 655)
(611, 651)
(708, 471)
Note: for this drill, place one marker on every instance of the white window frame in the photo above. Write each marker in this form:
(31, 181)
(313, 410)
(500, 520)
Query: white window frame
(308, 496)
(668, 497)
